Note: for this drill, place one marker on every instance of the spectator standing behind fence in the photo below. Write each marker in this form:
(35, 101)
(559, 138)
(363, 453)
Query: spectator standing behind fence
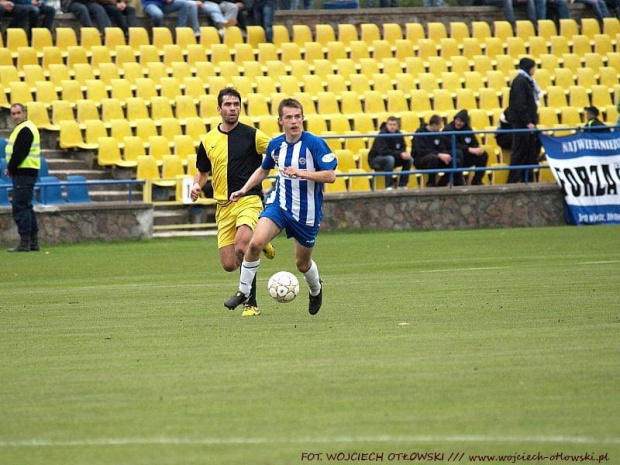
(389, 152)
(594, 124)
(472, 153)
(522, 113)
(88, 13)
(187, 9)
(19, 14)
(429, 153)
(23, 155)
(120, 13)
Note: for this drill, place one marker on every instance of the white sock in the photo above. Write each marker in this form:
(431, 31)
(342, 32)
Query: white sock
(248, 272)
(312, 278)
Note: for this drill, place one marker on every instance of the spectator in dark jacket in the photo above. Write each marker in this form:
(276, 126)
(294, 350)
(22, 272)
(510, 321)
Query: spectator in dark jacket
(389, 152)
(522, 112)
(187, 10)
(594, 124)
(472, 153)
(430, 153)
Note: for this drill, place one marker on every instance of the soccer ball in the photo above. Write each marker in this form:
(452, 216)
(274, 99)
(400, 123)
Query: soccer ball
(283, 286)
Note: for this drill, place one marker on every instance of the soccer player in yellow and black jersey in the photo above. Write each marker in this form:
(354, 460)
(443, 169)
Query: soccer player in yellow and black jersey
(231, 153)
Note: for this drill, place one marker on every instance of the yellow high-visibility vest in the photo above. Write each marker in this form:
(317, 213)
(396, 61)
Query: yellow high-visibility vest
(33, 160)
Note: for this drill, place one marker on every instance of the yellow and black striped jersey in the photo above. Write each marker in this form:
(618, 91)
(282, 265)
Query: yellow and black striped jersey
(231, 158)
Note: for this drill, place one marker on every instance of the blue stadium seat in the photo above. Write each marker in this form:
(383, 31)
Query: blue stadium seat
(2, 148)
(4, 195)
(77, 193)
(44, 170)
(52, 194)
(3, 177)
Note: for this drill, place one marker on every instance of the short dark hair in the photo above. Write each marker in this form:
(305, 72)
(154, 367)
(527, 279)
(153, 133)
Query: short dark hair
(290, 103)
(20, 105)
(227, 91)
(435, 119)
(394, 118)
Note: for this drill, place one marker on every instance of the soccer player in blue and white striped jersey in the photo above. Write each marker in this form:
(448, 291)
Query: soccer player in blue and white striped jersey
(304, 162)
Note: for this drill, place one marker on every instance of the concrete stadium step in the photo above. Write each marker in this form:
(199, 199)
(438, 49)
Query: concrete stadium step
(113, 196)
(170, 217)
(90, 175)
(185, 233)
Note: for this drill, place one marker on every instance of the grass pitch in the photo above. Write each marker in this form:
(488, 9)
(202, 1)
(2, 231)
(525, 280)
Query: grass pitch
(475, 342)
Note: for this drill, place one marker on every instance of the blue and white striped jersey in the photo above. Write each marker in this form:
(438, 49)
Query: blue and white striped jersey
(301, 198)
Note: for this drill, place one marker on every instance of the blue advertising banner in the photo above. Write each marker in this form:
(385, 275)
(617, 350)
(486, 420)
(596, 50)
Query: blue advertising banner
(587, 167)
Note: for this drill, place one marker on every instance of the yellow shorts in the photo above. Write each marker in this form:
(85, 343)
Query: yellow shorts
(229, 217)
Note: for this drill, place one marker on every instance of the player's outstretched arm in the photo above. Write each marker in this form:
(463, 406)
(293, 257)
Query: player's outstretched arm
(256, 178)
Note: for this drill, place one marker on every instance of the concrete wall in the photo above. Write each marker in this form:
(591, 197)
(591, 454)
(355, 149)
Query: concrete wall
(103, 221)
(477, 207)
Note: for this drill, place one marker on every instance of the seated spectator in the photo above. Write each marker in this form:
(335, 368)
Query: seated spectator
(294, 4)
(594, 124)
(472, 153)
(264, 12)
(220, 13)
(242, 16)
(389, 152)
(429, 153)
(598, 6)
(19, 14)
(88, 13)
(120, 13)
(188, 12)
(39, 13)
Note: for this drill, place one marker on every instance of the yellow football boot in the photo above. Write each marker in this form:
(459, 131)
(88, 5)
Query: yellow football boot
(250, 310)
(269, 251)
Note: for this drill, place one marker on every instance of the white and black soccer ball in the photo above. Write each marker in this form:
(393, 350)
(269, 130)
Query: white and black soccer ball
(283, 286)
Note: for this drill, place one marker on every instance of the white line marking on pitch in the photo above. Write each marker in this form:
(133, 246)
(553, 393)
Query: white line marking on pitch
(466, 269)
(602, 262)
(334, 440)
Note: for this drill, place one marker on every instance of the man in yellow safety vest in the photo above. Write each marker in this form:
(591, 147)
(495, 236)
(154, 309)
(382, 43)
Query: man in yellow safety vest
(23, 154)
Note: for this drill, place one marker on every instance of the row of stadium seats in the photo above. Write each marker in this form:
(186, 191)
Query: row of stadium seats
(302, 34)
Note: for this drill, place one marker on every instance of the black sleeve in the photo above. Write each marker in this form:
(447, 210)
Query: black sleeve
(21, 149)
(203, 164)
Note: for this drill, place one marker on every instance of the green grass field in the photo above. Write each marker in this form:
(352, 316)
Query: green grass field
(488, 342)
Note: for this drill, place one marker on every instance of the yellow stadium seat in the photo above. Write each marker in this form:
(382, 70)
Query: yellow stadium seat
(45, 93)
(51, 56)
(26, 56)
(571, 116)
(76, 55)
(397, 102)
(32, 74)
(61, 111)
(158, 147)
(338, 186)
(290, 51)
(268, 124)
(301, 34)
(161, 108)
(257, 105)
(459, 65)
(496, 80)
(525, 30)
(65, 38)
(209, 35)
(133, 147)
(393, 66)
(611, 26)
(381, 83)
(578, 97)
(547, 29)
(138, 36)
(172, 168)
(347, 33)
(586, 78)
(414, 32)
(502, 30)
(405, 82)
(170, 127)
(436, 31)
(232, 36)
(119, 129)
(109, 154)
(381, 49)
(196, 54)
(185, 107)
(515, 47)
(505, 64)
(315, 124)
(482, 64)
(94, 130)
(136, 109)
(359, 183)
(451, 81)
(543, 78)
(427, 48)
(90, 37)
(537, 46)
(556, 98)
(549, 62)
(70, 135)
(280, 35)
(404, 49)
(459, 30)
(581, 45)
(569, 28)
(471, 47)
(147, 170)
(16, 38)
(442, 101)
(489, 101)
(351, 104)
(85, 110)
(369, 32)
(571, 61)
(132, 71)
(392, 32)
(428, 82)
(465, 99)
(337, 84)
(38, 114)
(359, 50)
(601, 96)
(71, 91)
(563, 78)
(314, 51)
(195, 128)
(481, 30)
(374, 103)
(449, 48)
(421, 101)
(96, 91)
